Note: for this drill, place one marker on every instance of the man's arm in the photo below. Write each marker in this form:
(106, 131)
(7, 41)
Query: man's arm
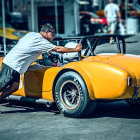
(119, 14)
(104, 13)
(61, 49)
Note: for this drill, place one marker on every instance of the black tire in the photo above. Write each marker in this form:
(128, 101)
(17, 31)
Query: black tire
(135, 102)
(72, 97)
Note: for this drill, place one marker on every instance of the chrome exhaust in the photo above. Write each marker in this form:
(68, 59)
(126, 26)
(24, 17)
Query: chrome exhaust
(48, 103)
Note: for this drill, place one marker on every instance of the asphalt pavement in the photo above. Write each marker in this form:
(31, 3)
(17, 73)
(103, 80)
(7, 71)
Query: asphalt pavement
(110, 121)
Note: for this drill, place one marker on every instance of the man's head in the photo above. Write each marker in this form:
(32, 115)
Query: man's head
(110, 1)
(48, 31)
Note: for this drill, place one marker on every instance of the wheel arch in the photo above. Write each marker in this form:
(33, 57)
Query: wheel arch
(83, 75)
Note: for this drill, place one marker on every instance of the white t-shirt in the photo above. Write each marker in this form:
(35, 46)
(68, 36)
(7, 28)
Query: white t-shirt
(111, 10)
(27, 50)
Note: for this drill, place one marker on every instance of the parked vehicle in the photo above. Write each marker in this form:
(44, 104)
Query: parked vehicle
(12, 36)
(78, 85)
(92, 23)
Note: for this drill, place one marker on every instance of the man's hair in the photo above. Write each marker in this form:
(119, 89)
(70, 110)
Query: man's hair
(47, 27)
(110, 1)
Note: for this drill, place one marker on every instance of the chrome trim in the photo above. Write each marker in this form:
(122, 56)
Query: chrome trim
(47, 102)
(129, 81)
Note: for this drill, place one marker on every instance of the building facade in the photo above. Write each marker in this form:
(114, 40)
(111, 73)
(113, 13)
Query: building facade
(63, 14)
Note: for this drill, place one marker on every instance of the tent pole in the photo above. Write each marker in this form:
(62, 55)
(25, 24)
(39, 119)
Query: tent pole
(56, 17)
(32, 14)
(3, 25)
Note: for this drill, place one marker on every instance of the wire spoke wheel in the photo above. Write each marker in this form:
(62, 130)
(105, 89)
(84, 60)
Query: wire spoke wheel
(69, 94)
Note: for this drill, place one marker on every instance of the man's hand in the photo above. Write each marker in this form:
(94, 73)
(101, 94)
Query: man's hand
(78, 48)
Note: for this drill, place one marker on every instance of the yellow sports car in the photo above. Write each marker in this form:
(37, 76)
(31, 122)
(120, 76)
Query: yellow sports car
(76, 82)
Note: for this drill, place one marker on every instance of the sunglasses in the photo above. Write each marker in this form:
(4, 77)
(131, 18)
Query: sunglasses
(53, 33)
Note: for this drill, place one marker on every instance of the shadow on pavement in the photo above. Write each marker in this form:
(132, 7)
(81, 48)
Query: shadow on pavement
(26, 107)
(131, 41)
(116, 109)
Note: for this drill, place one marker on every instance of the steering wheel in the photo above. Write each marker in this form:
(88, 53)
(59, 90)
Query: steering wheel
(89, 47)
(50, 58)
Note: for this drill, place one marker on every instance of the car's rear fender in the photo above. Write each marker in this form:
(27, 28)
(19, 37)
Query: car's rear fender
(104, 81)
(82, 73)
(52, 75)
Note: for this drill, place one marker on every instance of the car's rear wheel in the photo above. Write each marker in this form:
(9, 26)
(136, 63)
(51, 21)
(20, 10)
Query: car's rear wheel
(72, 97)
(135, 102)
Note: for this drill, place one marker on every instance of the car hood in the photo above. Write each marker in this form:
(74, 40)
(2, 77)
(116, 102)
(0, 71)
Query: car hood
(12, 33)
(131, 63)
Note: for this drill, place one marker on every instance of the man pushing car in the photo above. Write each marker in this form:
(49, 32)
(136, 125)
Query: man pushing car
(27, 50)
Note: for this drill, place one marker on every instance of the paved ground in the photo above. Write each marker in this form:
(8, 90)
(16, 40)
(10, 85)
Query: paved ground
(110, 121)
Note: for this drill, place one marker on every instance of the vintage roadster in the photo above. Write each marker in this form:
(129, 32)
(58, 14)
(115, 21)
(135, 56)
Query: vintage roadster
(77, 82)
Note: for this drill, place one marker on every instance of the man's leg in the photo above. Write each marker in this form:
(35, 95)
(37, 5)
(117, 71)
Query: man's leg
(9, 90)
(111, 38)
(112, 32)
(113, 26)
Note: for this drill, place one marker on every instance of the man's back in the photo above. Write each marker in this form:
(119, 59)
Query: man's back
(111, 10)
(28, 49)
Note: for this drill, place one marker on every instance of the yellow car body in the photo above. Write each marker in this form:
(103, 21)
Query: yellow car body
(39, 81)
(106, 76)
(12, 36)
(9, 33)
(12, 33)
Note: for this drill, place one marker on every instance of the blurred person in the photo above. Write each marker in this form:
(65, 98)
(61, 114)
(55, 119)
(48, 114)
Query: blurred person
(123, 17)
(112, 13)
(123, 10)
(27, 50)
(95, 5)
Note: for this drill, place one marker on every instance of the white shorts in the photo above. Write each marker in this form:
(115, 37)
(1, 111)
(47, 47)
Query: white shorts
(112, 24)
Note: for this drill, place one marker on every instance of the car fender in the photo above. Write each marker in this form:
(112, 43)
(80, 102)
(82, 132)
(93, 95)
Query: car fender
(48, 81)
(104, 81)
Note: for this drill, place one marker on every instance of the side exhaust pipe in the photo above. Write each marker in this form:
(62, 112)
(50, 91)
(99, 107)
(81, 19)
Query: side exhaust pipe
(48, 103)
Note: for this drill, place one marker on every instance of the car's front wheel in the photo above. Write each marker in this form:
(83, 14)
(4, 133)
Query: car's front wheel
(72, 97)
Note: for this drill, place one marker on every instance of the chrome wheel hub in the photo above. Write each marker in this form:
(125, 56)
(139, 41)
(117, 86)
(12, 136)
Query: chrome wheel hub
(69, 94)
